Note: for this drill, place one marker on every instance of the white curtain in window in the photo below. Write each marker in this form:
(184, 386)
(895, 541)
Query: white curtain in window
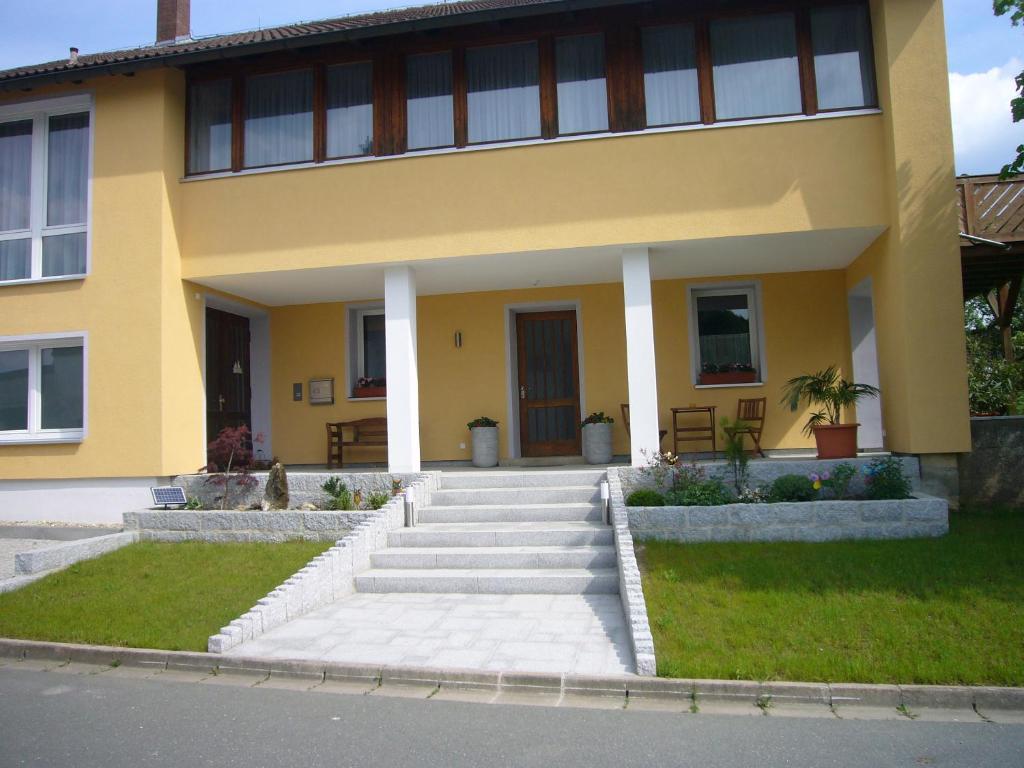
(670, 75)
(64, 255)
(582, 90)
(504, 95)
(209, 141)
(755, 67)
(429, 109)
(350, 110)
(15, 174)
(279, 118)
(14, 389)
(843, 61)
(15, 259)
(61, 388)
(67, 169)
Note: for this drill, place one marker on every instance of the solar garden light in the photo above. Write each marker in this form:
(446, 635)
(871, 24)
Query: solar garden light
(606, 495)
(410, 508)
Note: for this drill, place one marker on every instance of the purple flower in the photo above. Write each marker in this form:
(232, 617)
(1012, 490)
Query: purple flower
(824, 475)
(814, 477)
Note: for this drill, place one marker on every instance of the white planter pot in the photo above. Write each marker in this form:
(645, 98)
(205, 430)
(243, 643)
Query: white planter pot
(597, 443)
(485, 446)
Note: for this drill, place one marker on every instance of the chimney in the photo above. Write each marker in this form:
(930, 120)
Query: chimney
(73, 57)
(172, 21)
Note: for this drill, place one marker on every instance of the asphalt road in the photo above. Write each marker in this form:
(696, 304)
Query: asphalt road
(63, 719)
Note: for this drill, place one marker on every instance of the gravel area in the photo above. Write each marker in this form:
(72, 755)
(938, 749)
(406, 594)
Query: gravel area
(10, 547)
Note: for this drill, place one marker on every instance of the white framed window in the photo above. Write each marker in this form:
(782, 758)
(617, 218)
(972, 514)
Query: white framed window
(367, 363)
(45, 189)
(43, 388)
(726, 334)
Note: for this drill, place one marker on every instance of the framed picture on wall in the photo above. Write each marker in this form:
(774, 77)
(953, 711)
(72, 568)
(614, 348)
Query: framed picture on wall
(321, 391)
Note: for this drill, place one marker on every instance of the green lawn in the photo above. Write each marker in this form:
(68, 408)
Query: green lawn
(947, 610)
(148, 595)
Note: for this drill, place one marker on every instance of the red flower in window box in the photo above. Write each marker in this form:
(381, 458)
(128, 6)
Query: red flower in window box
(728, 373)
(367, 387)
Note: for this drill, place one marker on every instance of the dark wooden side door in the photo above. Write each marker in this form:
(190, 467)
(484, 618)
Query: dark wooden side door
(228, 388)
(549, 383)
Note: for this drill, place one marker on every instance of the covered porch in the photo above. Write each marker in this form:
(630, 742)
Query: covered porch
(537, 341)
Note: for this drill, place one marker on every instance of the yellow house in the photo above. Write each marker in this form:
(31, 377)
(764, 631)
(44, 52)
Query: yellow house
(529, 210)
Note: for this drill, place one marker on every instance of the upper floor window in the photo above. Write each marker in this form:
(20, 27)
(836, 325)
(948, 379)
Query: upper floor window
(44, 189)
(209, 141)
(430, 106)
(844, 67)
(670, 75)
(504, 92)
(42, 389)
(279, 118)
(754, 65)
(582, 90)
(349, 110)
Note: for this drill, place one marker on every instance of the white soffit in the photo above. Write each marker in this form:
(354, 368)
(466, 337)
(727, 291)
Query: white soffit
(717, 257)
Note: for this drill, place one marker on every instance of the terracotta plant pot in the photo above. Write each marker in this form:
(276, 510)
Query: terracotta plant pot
(729, 377)
(369, 392)
(836, 441)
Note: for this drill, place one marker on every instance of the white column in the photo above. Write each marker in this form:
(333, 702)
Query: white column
(403, 381)
(640, 368)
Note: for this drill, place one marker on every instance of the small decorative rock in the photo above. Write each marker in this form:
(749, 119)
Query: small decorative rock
(309, 507)
(276, 493)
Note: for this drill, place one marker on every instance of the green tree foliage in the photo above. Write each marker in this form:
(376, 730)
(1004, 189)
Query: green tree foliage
(1015, 9)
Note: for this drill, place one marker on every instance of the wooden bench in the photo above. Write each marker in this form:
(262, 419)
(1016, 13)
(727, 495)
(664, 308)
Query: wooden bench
(365, 433)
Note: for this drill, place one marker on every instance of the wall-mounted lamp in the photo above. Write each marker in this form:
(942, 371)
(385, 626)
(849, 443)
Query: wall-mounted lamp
(236, 368)
(458, 339)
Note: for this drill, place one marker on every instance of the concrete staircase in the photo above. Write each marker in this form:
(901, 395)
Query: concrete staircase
(503, 532)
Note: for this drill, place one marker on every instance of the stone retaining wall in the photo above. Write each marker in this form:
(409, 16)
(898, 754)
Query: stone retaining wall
(204, 525)
(918, 517)
(65, 553)
(303, 487)
(328, 576)
(991, 473)
(631, 590)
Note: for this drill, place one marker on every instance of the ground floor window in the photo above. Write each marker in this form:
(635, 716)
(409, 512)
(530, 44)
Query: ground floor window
(368, 360)
(725, 334)
(42, 389)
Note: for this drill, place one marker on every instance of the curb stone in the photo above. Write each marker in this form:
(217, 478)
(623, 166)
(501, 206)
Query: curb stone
(936, 697)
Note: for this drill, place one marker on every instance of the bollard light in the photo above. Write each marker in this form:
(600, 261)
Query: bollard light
(410, 508)
(606, 496)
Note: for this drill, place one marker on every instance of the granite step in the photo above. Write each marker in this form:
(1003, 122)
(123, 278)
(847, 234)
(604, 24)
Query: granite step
(568, 494)
(535, 479)
(560, 534)
(546, 581)
(495, 557)
(520, 513)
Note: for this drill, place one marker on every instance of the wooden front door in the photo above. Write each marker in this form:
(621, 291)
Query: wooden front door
(549, 384)
(228, 389)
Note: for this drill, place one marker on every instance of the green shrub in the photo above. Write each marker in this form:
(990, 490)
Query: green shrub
(701, 493)
(378, 499)
(886, 479)
(340, 496)
(645, 497)
(839, 479)
(792, 488)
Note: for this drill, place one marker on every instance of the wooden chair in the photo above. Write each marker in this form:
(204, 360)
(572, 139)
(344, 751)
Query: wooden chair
(625, 423)
(751, 412)
(692, 429)
(365, 433)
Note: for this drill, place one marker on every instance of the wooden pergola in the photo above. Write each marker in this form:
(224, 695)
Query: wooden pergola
(992, 244)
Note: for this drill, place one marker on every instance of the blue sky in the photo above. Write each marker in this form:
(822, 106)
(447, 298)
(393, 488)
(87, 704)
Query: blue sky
(984, 52)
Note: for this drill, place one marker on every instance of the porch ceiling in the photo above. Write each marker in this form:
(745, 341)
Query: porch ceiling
(718, 257)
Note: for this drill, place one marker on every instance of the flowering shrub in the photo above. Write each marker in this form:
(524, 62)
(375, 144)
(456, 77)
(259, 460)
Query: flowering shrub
(231, 449)
(885, 479)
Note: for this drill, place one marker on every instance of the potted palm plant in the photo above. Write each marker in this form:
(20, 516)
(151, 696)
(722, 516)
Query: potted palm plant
(485, 441)
(831, 393)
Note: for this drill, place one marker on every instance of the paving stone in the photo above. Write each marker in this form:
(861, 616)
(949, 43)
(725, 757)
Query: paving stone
(867, 712)
(348, 687)
(944, 715)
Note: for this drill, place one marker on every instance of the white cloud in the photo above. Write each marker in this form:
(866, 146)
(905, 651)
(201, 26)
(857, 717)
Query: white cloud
(984, 134)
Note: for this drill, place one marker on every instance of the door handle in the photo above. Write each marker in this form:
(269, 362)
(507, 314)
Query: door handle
(220, 401)
(522, 392)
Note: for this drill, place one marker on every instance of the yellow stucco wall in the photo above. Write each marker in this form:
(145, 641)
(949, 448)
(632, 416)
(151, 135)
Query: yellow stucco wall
(805, 329)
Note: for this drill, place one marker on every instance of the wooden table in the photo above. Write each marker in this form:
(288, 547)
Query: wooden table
(694, 434)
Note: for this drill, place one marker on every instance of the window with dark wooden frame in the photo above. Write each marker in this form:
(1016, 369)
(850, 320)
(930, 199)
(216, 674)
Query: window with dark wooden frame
(617, 70)
(349, 110)
(844, 62)
(582, 85)
(430, 102)
(279, 118)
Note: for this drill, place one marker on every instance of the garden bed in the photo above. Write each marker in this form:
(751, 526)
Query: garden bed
(148, 595)
(940, 611)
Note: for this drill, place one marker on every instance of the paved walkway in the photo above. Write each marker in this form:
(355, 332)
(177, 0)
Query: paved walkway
(583, 634)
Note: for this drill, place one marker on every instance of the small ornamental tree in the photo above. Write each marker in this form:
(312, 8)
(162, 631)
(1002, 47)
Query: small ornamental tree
(232, 449)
